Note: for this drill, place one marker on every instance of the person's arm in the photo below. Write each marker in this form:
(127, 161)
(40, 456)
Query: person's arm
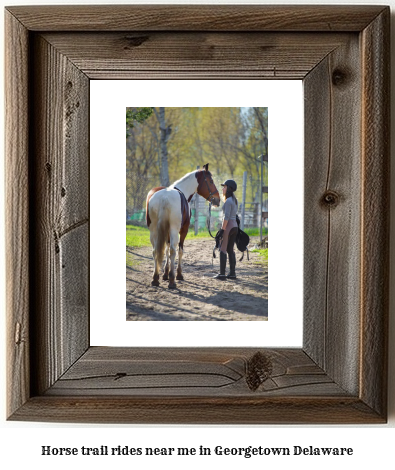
(226, 209)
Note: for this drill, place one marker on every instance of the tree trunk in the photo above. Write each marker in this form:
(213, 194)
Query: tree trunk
(165, 132)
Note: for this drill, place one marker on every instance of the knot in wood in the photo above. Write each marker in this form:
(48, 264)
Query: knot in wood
(120, 375)
(330, 199)
(259, 369)
(18, 335)
(339, 77)
(135, 41)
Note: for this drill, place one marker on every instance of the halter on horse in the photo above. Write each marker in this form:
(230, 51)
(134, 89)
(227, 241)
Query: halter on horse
(168, 215)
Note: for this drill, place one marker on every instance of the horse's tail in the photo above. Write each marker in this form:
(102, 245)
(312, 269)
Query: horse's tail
(147, 217)
(163, 228)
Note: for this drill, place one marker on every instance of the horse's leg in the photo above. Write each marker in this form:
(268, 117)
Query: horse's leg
(173, 249)
(167, 265)
(155, 277)
(179, 276)
(183, 234)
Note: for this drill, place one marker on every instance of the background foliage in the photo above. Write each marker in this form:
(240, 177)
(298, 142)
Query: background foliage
(163, 144)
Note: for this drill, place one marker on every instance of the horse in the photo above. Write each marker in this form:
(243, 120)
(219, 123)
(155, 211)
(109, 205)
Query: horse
(168, 216)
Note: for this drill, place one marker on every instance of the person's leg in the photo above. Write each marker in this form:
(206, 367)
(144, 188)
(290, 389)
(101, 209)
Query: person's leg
(222, 267)
(224, 243)
(231, 253)
(223, 255)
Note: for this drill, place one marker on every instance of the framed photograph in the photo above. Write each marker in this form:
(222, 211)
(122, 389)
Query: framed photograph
(176, 206)
(339, 374)
(198, 298)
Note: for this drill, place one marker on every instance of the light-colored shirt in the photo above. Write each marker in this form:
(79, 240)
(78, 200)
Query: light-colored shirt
(230, 209)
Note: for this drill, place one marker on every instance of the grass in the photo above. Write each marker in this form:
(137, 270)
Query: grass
(130, 261)
(263, 255)
(255, 232)
(139, 236)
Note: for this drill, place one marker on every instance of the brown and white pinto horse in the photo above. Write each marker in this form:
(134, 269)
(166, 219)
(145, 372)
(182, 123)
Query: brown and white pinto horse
(168, 215)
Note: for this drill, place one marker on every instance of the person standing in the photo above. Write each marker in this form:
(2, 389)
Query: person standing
(228, 232)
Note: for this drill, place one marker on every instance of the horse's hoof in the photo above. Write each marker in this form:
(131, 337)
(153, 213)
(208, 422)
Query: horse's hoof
(155, 283)
(173, 286)
(165, 277)
(180, 277)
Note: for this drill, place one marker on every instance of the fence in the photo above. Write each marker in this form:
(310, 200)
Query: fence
(248, 195)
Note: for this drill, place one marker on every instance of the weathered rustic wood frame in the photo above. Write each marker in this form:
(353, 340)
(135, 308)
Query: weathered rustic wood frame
(340, 373)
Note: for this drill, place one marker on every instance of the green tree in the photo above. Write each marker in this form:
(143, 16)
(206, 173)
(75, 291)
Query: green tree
(134, 115)
(161, 150)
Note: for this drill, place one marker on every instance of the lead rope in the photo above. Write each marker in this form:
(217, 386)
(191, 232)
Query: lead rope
(209, 220)
(208, 228)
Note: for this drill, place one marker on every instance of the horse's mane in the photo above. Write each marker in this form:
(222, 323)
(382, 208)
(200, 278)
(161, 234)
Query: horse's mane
(185, 177)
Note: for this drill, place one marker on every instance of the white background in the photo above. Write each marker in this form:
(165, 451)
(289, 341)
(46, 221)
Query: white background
(107, 217)
(20, 442)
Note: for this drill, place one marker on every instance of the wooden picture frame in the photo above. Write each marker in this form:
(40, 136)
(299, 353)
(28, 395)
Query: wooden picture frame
(340, 374)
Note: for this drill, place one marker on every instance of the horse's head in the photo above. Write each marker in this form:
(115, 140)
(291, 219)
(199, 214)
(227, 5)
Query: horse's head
(206, 187)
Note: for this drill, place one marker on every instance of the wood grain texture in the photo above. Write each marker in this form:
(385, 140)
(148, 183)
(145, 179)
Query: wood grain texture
(317, 113)
(339, 376)
(60, 180)
(198, 410)
(375, 211)
(196, 17)
(332, 214)
(17, 213)
(195, 54)
(195, 372)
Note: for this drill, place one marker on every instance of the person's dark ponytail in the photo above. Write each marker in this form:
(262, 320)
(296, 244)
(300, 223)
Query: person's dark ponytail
(229, 193)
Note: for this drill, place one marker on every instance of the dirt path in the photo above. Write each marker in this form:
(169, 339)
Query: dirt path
(198, 297)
